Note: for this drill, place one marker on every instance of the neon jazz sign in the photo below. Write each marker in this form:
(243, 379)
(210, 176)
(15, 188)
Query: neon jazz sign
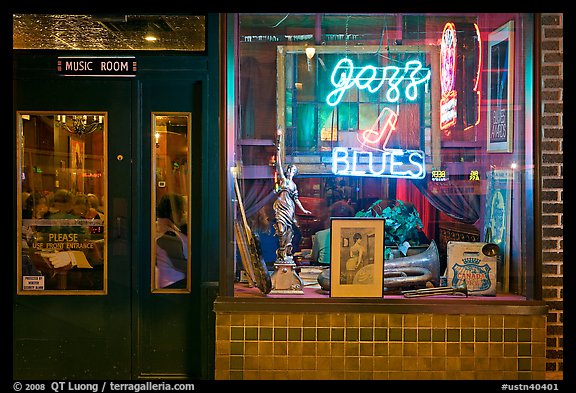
(345, 76)
(378, 160)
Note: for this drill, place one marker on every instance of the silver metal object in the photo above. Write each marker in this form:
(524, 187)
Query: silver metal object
(461, 290)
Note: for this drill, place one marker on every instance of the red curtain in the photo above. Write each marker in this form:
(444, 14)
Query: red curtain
(407, 192)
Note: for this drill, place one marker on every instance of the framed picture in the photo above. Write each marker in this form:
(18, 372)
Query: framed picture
(497, 217)
(356, 257)
(500, 113)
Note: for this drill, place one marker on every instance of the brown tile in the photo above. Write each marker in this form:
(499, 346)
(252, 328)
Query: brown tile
(251, 348)
(352, 363)
(280, 362)
(338, 320)
(323, 320)
(496, 349)
(222, 319)
(251, 319)
(366, 349)
(410, 349)
(351, 349)
(481, 349)
(237, 319)
(323, 348)
(223, 333)
(439, 349)
(265, 348)
(366, 363)
(453, 363)
(295, 348)
(424, 363)
(309, 320)
(510, 321)
(452, 349)
(424, 349)
(352, 320)
(410, 320)
(266, 320)
(467, 364)
(439, 321)
(280, 320)
(381, 348)
(395, 349)
(381, 320)
(250, 363)
(395, 320)
(496, 321)
(395, 363)
(467, 321)
(410, 363)
(366, 320)
(453, 321)
(309, 362)
(295, 320)
(280, 348)
(381, 363)
(481, 321)
(337, 362)
(337, 349)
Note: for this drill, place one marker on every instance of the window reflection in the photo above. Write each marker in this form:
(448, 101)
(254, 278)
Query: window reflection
(170, 179)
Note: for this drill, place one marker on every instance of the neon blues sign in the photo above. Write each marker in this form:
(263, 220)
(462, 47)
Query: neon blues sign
(387, 163)
(345, 76)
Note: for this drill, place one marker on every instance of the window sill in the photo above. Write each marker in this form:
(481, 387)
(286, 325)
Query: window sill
(315, 300)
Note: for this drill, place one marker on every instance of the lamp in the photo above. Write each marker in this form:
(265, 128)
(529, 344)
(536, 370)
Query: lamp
(80, 123)
(310, 51)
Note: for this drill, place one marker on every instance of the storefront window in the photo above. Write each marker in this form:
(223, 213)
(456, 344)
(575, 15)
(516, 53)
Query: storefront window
(421, 120)
(62, 169)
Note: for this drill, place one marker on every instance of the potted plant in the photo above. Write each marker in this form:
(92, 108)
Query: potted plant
(402, 226)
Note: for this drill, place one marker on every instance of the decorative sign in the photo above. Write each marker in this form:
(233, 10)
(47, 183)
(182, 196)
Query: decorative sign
(97, 66)
(389, 163)
(448, 100)
(345, 76)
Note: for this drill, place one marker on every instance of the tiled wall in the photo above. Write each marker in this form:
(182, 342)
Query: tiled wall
(379, 346)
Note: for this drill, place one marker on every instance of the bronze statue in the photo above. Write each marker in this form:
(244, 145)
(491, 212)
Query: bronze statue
(284, 206)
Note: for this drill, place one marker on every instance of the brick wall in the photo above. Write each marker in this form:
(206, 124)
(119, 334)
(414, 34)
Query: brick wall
(552, 188)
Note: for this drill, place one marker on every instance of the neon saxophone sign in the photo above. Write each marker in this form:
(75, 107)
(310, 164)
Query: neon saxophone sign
(345, 76)
(382, 163)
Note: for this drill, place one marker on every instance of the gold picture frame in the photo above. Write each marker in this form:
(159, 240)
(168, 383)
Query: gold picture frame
(357, 257)
(500, 86)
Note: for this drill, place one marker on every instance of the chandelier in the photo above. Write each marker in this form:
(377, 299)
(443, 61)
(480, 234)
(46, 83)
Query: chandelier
(80, 124)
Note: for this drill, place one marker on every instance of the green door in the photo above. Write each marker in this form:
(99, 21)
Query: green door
(88, 304)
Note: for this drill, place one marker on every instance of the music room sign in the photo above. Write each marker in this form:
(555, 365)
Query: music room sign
(97, 66)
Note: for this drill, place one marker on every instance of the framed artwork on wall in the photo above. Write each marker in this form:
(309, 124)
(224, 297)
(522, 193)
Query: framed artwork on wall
(500, 97)
(497, 214)
(357, 257)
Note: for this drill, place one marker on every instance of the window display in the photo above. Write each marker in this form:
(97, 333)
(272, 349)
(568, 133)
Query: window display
(388, 114)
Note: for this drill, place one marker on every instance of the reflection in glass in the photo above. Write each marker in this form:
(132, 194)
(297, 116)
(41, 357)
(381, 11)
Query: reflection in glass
(63, 209)
(170, 198)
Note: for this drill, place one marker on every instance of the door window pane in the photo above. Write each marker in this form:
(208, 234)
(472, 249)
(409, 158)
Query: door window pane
(62, 212)
(170, 201)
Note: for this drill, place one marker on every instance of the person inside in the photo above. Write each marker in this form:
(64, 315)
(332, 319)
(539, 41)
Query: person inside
(356, 259)
(321, 240)
(171, 243)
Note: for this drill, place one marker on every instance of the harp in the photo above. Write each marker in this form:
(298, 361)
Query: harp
(249, 246)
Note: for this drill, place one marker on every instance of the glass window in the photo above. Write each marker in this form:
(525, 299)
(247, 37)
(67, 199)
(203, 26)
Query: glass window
(62, 212)
(170, 202)
(111, 32)
(423, 120)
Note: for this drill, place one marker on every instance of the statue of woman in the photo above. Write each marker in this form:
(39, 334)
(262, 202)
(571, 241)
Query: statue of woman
(284, 209)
